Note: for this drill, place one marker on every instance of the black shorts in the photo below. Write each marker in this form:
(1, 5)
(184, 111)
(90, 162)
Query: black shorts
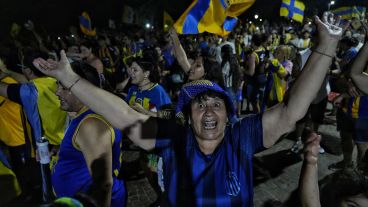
(361, 131)
(317, 111)
(344, 122)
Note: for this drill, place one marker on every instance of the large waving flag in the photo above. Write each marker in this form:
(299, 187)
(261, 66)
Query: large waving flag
(213, 16)
(85, 25)
(348, 12)
(292, 9)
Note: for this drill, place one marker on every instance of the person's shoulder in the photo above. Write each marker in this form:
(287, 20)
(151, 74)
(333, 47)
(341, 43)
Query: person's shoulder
(95, 120)
(248, 120)
(157, 87)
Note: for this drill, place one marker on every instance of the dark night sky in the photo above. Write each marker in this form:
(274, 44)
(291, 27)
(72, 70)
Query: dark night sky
(56, 15)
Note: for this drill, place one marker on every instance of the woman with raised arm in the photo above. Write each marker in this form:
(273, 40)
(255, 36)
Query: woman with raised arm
(197, 65)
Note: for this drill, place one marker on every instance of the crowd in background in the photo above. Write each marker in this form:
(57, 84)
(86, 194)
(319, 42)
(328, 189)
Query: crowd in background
(255, 64)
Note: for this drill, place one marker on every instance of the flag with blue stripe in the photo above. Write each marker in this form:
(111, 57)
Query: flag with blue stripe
(347, 12)
(85, 25)
(292, 9)
(213, 16)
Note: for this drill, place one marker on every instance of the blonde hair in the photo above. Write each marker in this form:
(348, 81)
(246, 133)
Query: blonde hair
(284, 51)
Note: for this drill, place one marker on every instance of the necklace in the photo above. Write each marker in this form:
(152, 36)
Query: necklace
(141, 88)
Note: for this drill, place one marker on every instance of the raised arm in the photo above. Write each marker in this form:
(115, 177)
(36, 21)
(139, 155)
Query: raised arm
(282, 118)
(357, 73)
(308, 181)
(111, 107)
(179, 52)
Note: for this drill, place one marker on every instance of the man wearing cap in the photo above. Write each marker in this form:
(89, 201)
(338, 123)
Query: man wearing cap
(208, 160)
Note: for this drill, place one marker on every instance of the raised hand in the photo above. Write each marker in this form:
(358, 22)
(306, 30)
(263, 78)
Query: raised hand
(173, 35)
(311, 148)
(54, 68)
(328, 28)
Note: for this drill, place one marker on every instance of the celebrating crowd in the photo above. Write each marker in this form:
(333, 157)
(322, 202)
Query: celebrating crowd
(198, 106)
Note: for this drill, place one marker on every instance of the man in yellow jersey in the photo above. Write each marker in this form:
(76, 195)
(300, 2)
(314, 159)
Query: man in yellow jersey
(12, 132)
(15, 134)
(39, 101)
(42, 109)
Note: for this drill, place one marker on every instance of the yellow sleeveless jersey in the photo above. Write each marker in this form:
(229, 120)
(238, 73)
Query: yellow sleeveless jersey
(11, 120)
(52, 117)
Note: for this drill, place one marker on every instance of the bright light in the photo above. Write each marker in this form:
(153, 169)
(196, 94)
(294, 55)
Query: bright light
(332, 2)
(72, 35)
(309, 22)
(148, 25)
(257, 28)
(250, 22)
(59, 38)
(256, 16)
(260, 20)
(166, 26)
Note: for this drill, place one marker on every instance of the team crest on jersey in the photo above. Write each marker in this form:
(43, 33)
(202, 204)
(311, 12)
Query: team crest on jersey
(232, 184)
(139, 101)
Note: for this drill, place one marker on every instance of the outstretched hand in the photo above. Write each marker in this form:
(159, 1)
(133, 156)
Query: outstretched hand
(53, 68)
(311, 148)
(328, 27)
(173, 35)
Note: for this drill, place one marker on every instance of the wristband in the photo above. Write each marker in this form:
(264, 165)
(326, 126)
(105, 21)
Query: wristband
(70, 88)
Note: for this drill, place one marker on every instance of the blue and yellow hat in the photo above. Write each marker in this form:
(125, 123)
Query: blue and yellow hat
(190, 90)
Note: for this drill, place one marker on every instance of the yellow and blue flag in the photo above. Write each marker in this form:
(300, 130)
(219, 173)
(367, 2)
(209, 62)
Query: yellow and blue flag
(292, 9)
(85, 25)
(213, 16)
(348, 12)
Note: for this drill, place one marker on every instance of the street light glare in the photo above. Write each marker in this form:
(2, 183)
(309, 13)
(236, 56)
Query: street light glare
(148, 25)
(332, 2)
(256, 16)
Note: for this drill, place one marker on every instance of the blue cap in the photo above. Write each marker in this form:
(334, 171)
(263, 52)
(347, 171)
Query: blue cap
(190, 90)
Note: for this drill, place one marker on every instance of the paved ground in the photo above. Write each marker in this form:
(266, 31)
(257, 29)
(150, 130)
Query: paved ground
(276, 176)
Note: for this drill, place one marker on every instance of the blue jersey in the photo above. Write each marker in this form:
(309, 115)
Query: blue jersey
(224, 178)
(151, 99)
(358, 107)
(70, 175)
